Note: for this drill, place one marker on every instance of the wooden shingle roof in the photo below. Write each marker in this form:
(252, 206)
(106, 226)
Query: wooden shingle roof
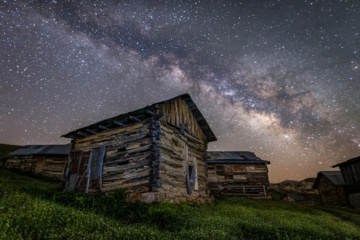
(234, 157)
(42, 150)
(334, 177)
(350, 161)
(139, 115)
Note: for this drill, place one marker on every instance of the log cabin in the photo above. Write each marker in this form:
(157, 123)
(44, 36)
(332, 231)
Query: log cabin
(237, 173)
(331, 187)
(155, 153)
(46, 160)
(350, 171)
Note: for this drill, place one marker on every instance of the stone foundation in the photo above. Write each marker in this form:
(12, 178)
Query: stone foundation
(354, 200)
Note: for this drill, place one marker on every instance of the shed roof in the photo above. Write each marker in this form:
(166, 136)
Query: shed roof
(234, 157)
(333, 176)
(299, 197)
(42, 150)
(350, 161)
(296, 197)
(132, 117)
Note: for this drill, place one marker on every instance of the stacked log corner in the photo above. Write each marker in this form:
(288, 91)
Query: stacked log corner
(173, 165)
(182, 144)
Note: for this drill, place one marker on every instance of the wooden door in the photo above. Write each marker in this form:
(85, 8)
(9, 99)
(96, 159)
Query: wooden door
(76, 168)
(95, 180)
(191, 173)
(84, 170)
(40, 161)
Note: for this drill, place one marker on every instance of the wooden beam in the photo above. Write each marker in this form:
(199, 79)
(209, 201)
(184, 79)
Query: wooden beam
(91, 131)
(103, 127)
(73, 136)
(158, 116)
(119, 123)
(182, 129)
(135, 119)
(82, 134)
(148, 112)
(200, 118)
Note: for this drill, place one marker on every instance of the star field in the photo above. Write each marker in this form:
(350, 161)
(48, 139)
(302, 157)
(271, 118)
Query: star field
(279, 78)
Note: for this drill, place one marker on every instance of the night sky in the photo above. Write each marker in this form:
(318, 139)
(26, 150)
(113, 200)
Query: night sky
(278, 78)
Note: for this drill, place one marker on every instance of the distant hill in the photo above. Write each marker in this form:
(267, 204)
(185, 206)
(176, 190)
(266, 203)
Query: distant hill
(312, 180)
(293, 186)
(289, 181)
(5, 149)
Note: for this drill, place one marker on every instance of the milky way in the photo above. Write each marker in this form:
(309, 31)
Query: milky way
(278, 78)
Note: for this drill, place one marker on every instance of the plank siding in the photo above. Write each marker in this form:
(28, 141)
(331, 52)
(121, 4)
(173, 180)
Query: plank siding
(238, 179)
(50, 166)
(23, 163)
(177, 113)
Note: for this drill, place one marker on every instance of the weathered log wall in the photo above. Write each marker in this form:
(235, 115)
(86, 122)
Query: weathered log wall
(24, 163)
(177, 113)
(54, 166)
(50, 166)
(127, 158)
(331, 194)
(173, 165)
(238, 179)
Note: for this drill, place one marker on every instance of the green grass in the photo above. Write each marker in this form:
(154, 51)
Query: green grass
(34, 208)
(5, 149)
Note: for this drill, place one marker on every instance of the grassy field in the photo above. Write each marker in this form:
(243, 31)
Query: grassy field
(34, 208)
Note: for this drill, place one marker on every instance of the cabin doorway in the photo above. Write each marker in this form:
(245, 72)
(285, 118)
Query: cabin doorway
(191, 172)
(84, 170)
(40, 162)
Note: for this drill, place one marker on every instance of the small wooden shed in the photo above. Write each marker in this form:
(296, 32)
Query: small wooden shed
(238, 173)
(156, 153)
(305, 199)
(350, 171)
(46, 160)
(331, 187)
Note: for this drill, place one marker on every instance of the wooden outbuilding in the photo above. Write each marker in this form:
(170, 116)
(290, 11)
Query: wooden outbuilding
(156, 153)
(350, 171)
(46, 160)
(237, 173)
(305, 199)
(331, 187)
